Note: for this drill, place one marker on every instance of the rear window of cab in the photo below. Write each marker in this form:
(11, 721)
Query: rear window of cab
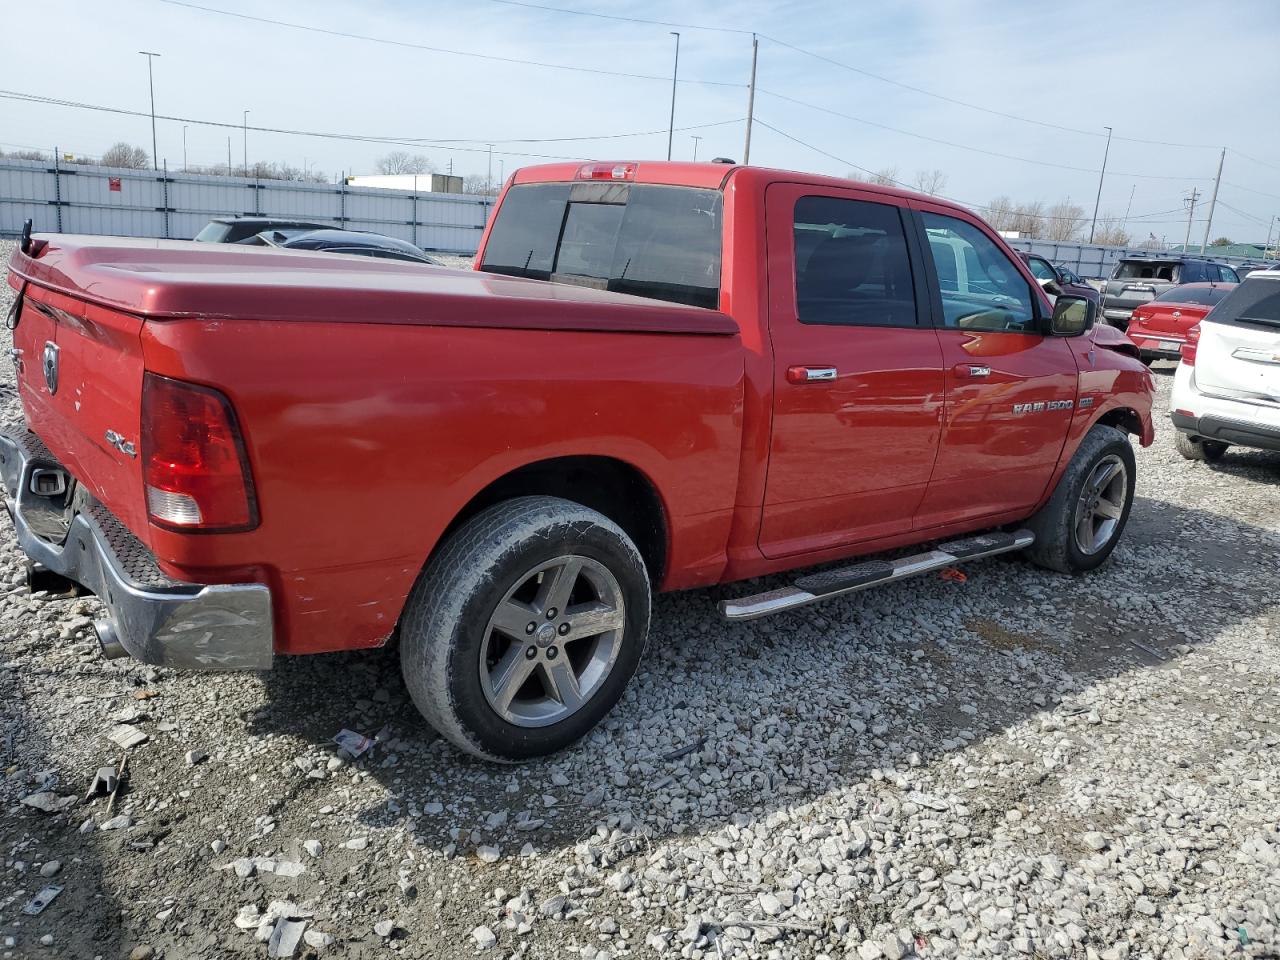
(649, 240)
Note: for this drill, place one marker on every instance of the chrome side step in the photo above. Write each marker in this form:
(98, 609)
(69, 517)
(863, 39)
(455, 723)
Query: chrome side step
(871, 573)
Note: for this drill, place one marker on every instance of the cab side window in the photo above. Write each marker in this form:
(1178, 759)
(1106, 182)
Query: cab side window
(981, 288)
(852, 266)
(1228, 275)
(1040, 269)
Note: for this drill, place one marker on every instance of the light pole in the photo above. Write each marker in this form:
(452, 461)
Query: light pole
(151, 84)
(246, 143)
(488, 177)
(184, 148)
(1102, 174)
(695, 148)
(675, 70)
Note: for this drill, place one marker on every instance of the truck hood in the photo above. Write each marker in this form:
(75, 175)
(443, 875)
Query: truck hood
(178, 279)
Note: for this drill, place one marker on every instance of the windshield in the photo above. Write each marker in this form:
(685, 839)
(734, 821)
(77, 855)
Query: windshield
(214, 232)
(1206, 295)
(653, 241)
(1146, 270)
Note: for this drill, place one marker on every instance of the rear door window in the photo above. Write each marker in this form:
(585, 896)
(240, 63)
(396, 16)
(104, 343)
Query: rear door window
(649, 240)
(1256, 302)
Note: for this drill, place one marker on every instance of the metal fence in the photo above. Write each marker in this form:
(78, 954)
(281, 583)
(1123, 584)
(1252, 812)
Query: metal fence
(69, 198)
(1095, 261)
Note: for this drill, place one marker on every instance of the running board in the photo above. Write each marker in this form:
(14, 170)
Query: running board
(871, 573)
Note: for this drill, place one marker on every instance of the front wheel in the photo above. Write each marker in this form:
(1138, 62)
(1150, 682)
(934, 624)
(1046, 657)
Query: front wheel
(524, 629)
(1082, 522)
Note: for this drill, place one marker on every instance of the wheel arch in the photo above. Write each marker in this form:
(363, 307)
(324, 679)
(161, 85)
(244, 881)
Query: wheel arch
(1122, 418)
(614, 487)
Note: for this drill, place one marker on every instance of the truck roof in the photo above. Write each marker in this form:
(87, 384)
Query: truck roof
(712, 176)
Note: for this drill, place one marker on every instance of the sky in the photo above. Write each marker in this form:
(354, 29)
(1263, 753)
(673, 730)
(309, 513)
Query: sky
(1006, 98)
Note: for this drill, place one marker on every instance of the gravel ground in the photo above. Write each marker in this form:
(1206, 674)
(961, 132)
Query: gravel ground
(1021, 764)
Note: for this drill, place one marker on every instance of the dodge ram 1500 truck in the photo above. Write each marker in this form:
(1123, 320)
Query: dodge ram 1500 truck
(659, 376)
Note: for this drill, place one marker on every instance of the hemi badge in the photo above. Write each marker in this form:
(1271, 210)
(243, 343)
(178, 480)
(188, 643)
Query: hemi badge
(1086, 401)
(120, 443)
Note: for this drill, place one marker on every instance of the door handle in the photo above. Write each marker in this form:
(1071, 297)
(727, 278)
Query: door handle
(971, 370)
(810, 374)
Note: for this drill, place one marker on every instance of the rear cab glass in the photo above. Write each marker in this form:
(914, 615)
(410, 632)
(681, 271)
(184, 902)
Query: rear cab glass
(649, 240)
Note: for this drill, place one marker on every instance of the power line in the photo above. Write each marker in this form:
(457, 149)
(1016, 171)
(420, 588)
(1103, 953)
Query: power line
(963, 146)
(1248, 216)
(1236, 186)
(433, 49)
(395, 141)
(619, 18)
(1266, 163)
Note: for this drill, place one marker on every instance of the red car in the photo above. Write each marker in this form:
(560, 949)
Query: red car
(660, 376)
(1160, 327)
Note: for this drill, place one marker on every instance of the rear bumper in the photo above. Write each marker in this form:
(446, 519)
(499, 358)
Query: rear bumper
(155, 618)
(1221, 418)
(1153, 345)
(1255, 435)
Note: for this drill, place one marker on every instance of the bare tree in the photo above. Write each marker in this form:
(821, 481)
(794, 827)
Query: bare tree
(24, 155)
(999, 213)
(397, 161)
(479, 185)
(1111, 233)
(126, 155)
(931, 182)
(1028, 219)
(1063, 221)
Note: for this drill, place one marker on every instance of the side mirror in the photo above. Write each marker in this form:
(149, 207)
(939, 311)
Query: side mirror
(1072, 316)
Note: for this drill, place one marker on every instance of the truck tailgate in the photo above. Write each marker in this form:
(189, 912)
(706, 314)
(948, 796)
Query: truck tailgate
(80, 381)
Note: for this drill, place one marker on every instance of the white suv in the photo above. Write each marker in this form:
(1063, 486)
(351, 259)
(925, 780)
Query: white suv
(1227, 388)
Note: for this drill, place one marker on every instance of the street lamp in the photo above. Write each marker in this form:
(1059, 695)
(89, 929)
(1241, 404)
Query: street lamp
(246, 143)
(184, 148)
(1101, 175)
(695, 148)
(675, 70)
(151, 84)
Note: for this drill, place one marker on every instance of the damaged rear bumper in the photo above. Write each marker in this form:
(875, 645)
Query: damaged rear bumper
(153, 617)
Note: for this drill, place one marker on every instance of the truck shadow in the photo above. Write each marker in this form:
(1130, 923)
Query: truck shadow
(723, 721)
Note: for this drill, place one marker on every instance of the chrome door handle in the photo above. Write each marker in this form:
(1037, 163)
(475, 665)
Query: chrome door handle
(971, 370)
(810, 374)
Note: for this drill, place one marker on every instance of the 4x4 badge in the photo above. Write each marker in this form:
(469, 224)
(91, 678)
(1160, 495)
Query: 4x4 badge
(50, 366)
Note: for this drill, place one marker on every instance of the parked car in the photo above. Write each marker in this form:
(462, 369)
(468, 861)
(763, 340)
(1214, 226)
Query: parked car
(1252, 266)
(1056, 280)
(242, 229)
(352, 242)
(1226, 391)
(1160, 327)
(660, 376)
(1070, 276)
(1137, 280)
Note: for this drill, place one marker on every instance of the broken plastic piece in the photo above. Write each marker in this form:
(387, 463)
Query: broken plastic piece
(103, 782)
(41, 900)
(954, 575)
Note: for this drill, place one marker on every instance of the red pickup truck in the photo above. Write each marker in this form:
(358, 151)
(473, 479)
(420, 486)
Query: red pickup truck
(659, 376)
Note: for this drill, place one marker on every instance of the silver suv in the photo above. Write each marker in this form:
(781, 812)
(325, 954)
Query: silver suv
(1139, 280)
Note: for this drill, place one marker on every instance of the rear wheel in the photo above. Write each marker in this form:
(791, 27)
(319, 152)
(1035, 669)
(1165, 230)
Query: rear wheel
(1198, 448)
(1083, 520)
(523, 631)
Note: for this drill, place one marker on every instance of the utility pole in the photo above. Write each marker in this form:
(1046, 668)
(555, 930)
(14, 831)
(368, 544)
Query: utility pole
(246, 143)
(1101, 176)
(1213, 201)
(184, 148)
(155, 163)
(488, 177)
(751, 98)
(695, 148)
(1195, 195)
(675, 72)
(228, 156)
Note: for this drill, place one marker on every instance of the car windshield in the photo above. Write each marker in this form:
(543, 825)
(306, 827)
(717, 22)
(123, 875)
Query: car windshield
(1147, 270)
(214, 232)
(649, 240)
(1189, 294)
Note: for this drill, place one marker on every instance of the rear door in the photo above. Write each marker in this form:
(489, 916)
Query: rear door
(857, 371)
(1010, 387)
(1238, 356)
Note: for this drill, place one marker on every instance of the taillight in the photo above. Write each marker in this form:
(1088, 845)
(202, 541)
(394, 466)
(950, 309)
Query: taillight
(193, 459)
(607, 171)
(1188, 348)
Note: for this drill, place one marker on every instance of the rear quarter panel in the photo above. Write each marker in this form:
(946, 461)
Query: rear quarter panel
(366, 440)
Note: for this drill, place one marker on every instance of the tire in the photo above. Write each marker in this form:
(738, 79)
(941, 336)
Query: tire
(1198, 448)
(464, 633)
(1074, 530)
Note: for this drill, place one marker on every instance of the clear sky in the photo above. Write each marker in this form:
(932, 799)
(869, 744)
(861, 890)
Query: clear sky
(1177, 72)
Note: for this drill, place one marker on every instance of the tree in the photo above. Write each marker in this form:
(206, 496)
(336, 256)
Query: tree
(1111, 232)
(126, 155)
(479, 185)
(1028, 219)
(1063, 220)
(24, 155)
(1000, 213)
(397, 161)
(1222, 242)
(931, 182)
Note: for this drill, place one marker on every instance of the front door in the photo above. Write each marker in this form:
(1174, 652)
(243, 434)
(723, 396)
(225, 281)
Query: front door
(857, 371)
(1010, 386)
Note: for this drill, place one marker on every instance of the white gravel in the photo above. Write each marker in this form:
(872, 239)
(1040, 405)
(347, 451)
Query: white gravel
(1019, 765)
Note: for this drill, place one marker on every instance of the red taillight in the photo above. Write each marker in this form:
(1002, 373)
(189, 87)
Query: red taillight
(193, 460)
(1188, 349)
(607, 171)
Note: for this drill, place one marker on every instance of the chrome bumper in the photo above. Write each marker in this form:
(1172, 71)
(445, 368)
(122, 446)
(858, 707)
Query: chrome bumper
(156, 619)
